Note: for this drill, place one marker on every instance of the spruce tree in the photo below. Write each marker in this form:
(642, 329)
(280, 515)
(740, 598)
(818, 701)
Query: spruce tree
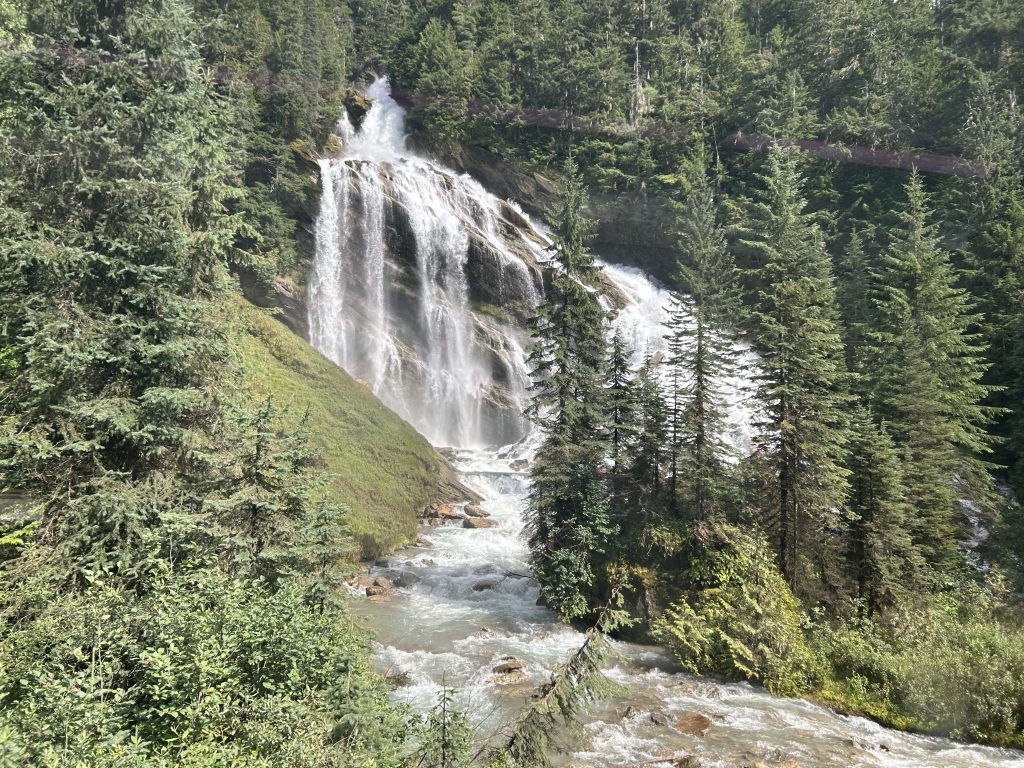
(702, 352)
(620, 416)
(885, 562)
(801, 385)
(648, 456)
(568, 520)
(928, 385)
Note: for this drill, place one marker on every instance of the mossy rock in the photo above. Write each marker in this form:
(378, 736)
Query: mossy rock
(356, 105)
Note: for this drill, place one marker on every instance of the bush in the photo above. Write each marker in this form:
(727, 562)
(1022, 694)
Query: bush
(206, 670)
(952, 664)
(738, 618)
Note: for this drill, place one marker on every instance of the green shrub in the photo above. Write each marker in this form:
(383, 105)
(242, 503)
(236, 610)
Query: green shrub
(205, 670)
(738, 618)
(952, 664)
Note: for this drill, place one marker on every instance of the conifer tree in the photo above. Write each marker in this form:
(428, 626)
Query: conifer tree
(928, 385)
(885, 561)
(801, 386)
(262, 492)
(701, 350)
(116, 174)
(568, 519)
(648, 454)
(620, 416)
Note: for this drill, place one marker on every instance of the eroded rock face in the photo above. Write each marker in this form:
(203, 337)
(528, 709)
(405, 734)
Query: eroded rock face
(479, 522)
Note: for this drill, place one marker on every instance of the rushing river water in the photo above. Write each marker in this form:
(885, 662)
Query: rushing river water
(408, 252)
(467, 605)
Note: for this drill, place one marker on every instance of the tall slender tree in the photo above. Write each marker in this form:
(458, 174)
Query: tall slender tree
(568, 519)
(801, 387)
(928, 383)
(702, 351)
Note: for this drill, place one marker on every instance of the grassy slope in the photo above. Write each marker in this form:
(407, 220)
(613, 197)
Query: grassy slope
(378, 464)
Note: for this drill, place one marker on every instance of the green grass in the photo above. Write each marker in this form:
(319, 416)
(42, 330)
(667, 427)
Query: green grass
(378, 464)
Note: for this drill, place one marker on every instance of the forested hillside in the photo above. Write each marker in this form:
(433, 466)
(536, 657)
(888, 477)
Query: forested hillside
(837, 187)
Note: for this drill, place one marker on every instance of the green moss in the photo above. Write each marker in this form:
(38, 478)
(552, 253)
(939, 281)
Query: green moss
(483, 308)
(377, 464)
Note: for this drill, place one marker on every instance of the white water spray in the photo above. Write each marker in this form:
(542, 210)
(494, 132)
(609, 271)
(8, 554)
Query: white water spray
(412, 261)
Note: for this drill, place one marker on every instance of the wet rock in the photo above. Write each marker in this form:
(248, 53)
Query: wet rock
(397, 678)
(444, 512)
(361, 581)
(378, 592)
(485, 570)
(686, 761)
(407, 579)
(508, 678)
(382, 563)
(357, 105)
(475, 510)
(660, 718)
(542, 601)
(434, 522)
(428, 563)
(423, 543)
(481, 522)
(484, 584)
(693, 723)
(383, 582)
(507, 664)
(520, 465)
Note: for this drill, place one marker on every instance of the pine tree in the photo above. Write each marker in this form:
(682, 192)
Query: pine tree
(114, 242)
(447, 737)
(262, 492)
(647, 455)
(320, 553)
(702, 353)
(854, 295)
(620, 416)
(802, 380)
(928, 385)
(568, 519)
(885, 561)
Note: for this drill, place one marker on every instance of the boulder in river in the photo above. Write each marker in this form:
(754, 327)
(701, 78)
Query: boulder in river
(693, 723)
(475, 510)
(518, 677)
(484, 584)
(479, 522)
(407, 579)
(659, 718)
(507, 664)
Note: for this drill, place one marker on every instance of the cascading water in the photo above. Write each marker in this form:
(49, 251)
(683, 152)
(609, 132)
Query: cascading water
(412, 261)
(397, 299)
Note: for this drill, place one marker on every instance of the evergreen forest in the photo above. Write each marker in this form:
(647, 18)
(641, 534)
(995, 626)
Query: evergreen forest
(832, 193)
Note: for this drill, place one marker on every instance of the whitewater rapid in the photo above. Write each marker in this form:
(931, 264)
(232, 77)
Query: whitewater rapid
(465, 600)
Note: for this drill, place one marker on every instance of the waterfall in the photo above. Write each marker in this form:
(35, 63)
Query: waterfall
(418, 277)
